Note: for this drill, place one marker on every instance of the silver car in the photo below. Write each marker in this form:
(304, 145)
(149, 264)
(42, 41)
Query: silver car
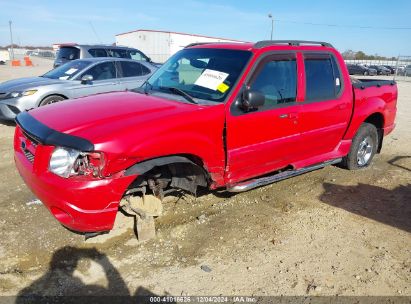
(74, 79)
(74, 51)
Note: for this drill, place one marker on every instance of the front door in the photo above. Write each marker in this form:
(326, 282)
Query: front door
(104, 80)
(267, 138)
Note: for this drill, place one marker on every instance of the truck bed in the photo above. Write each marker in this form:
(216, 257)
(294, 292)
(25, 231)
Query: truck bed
(366, 83)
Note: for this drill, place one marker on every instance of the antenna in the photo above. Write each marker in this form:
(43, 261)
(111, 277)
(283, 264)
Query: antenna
(95, 33)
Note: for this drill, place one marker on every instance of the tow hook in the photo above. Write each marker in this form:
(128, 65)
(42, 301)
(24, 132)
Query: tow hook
(144, 208)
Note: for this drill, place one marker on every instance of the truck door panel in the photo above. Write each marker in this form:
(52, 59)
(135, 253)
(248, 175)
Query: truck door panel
(266, 139)
(326, 111)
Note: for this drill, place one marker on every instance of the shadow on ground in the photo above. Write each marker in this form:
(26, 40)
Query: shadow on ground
(391, 207)
(60, 284)
(396, 161)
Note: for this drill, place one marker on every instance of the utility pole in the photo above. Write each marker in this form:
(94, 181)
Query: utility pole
(11, 41)
(272, 25)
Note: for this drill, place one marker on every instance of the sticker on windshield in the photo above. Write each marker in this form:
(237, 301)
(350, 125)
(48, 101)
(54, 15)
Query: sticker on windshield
(64, 77)
(71, 71)
(211, 79)
(222, 87)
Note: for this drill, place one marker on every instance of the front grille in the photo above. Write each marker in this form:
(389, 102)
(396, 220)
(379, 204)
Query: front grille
(29, 155)
(28, 147)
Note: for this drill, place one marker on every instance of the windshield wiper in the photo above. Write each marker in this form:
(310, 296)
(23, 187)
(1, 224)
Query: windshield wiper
(177, 91)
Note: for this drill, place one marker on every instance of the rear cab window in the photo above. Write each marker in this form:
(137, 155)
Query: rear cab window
(322, 77)
(68, 52)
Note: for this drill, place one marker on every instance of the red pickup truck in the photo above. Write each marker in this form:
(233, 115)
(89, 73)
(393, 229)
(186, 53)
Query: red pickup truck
(228, 116)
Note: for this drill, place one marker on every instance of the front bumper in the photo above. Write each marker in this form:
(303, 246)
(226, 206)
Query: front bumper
(82, 204)
(10, 107)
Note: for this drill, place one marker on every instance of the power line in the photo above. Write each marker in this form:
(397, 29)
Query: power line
(346, 26)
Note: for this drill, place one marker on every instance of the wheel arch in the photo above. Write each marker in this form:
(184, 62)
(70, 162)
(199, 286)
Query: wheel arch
(377, 119)
(51, 94)
(187, 171)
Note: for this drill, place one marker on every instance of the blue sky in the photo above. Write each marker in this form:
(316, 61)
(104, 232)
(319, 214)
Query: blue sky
(43, 22)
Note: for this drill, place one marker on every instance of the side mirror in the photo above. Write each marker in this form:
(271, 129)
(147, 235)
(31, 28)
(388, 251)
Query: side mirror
(252, 100)
(86, 79)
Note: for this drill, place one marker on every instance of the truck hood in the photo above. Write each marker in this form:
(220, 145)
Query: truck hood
(23, 84)
(97, 117)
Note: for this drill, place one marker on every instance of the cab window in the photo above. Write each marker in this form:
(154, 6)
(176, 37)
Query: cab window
(323, 80)
(276, 79)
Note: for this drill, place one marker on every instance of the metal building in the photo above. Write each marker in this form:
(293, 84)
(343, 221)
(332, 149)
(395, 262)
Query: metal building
(160, 45)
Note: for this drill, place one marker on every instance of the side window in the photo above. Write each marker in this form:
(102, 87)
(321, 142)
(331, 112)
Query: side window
(102, 71)
(119, 53)
(136, 55)
(323, 81)
(133, 69)
(97, 52)
(277, 81)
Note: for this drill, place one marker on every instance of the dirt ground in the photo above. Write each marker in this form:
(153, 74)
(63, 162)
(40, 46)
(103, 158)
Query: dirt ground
(328, 232)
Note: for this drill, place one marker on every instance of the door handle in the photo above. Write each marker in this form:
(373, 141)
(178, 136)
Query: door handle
(342, 106)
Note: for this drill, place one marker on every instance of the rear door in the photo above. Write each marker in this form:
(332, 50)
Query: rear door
(104, 80)
(267, 138)
(327, 106)
(133, 74)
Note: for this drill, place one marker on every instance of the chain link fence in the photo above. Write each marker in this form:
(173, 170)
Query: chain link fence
(401, 66)
(19, 53)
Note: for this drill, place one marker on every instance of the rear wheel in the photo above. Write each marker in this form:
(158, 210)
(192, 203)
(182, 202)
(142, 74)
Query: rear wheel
(363, 148)
(51, 99)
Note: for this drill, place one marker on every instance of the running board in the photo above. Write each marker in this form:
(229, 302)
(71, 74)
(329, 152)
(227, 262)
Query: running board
(254, 183)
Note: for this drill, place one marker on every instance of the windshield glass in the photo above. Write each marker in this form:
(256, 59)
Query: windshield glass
(68, 70)
(207, 74)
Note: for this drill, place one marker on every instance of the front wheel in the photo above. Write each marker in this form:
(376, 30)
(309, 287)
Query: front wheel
(51, 99)
(363, 148)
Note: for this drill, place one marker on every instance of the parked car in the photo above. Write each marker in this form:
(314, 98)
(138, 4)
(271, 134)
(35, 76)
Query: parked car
(220, 116)
(407, 70)
(400, 70)
(74, 79)
(355, 69)
(381, 70)
(73, 52)
(392, 69)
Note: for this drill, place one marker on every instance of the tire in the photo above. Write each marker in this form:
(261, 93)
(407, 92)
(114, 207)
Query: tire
(365, 73)
(51, 99)
(363, 148)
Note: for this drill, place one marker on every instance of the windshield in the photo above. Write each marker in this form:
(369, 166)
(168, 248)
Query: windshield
(68, 70)
(205, 74)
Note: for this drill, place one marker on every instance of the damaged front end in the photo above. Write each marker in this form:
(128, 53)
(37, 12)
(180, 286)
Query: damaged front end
(156, 179)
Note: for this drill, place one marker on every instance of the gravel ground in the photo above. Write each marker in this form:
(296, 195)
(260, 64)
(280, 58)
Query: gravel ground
(328, 232)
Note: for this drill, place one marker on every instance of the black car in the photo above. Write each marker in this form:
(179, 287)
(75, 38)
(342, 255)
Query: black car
(392, 69)
(355, 69)
(381, 70)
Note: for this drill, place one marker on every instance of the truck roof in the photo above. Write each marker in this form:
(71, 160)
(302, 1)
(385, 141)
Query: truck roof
(262, 44)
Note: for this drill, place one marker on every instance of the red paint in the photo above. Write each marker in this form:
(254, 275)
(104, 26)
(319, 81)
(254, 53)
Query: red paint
(129, 128)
